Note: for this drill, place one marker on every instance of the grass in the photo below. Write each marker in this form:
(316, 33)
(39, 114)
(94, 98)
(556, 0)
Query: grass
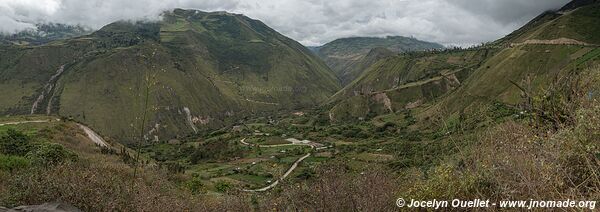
(274, 141)
(250, 179)
(374, 157)
(588, 57)
(316, 159)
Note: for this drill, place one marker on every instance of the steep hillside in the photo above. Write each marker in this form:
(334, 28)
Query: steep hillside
(344, 55)
(576, 22)
(198, 70)
(356, 68)
(542, 52)
(554, 45)
(404, 82)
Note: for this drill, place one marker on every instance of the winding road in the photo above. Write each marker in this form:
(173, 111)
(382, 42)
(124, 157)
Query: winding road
(288, 172)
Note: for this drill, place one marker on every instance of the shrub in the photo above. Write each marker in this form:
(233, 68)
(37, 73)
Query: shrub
(50, 154)
(12, 163)
(222, 186)
(15, 143)
(195, 186)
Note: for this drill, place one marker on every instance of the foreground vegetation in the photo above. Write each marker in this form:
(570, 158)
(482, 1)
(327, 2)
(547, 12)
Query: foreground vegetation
(548, 152)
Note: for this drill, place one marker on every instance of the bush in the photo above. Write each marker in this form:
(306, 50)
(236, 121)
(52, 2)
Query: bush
(12, 163)
(222, 186)
(50, 154)
(195, 186)
(15, 143)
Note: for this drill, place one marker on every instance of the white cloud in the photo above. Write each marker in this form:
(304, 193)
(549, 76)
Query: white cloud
(311, 22)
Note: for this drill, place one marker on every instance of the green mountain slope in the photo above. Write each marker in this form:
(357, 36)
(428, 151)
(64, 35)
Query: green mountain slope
(542, 52)
(403, 82)
(554, 45)
(344, 55)
(202, 69)
(576, 21)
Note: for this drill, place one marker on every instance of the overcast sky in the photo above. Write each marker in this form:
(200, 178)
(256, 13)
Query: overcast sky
(312, 22)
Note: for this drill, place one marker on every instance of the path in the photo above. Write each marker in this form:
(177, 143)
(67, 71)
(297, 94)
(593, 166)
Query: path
(559, 41)
(24, 122)
(259, 102)
(289, 171)
(94, 136)
(295, 142)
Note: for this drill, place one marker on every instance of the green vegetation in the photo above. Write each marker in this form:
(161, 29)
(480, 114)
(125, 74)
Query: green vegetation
(406, 81)
(45, 154)
(505, 120)
(350, 57)
(12, 163)
(207, 63)
(18, 150)
(544, 157)
(15, 143)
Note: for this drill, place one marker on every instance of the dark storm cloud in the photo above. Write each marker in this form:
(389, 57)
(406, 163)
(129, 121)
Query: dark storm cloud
(509, 11)
(312, 22)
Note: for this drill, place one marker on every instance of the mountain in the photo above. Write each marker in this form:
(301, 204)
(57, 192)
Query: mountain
(404, 82)
(356, 68)
(44, 33)
(451, 82)
(577, 3)
(202, 70)
(343, 55)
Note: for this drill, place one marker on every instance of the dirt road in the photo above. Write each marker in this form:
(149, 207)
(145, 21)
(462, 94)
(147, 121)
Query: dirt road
(289, 171)
(94, 136)
(24, 122)
(295, 142)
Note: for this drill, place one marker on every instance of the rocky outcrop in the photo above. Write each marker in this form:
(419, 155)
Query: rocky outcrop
(382, 98)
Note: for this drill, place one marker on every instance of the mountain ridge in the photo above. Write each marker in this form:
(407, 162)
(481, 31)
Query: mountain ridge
(204, 69)
(345, 54)
(552, 44)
